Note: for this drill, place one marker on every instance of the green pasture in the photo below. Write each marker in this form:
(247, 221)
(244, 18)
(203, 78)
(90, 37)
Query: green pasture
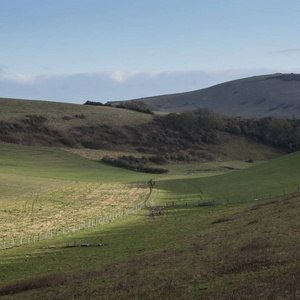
(59, 164)
(42, 187)
(45, 189)
(271, 178)
(186, 253)
(133, 235)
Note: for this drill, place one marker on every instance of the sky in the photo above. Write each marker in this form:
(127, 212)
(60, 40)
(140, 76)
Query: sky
(107, 50)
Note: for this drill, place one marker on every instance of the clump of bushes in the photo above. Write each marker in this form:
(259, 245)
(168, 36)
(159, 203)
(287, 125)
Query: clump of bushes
(88, 102)
(136, 106)
(136, 164)
(91, 144)
(34, 120)
(68, 142)
(190, 155)
(66, 118)
(79, 116)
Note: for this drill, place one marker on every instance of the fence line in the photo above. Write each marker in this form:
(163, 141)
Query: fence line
(91, 222)
(19, 241)
(227, 200)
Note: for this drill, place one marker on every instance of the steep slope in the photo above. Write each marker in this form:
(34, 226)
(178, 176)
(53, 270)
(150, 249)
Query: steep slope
(259, 96)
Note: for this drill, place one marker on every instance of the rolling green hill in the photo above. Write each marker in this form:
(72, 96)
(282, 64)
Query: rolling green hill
(98, 131)
(59, 164)
(44, 189)
(242, 249)
(259, 96)
(275, 177)
(237, 251)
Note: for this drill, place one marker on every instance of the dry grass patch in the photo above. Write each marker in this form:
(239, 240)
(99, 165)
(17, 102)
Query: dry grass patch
(60, 203)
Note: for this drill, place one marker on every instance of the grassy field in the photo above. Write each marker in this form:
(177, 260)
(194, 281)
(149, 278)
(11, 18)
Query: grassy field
(43, 189)
(240, 252)
(275, 177)
(62, 116)
(235, 251)
(53, 163)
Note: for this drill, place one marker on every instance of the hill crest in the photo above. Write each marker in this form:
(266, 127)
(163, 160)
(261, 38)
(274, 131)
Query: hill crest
(257, 96)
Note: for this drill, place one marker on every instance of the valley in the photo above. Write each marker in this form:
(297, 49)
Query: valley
(59, 169)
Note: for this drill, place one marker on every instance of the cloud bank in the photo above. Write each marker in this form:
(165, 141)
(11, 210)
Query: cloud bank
(292, 50)
(2, 68)
(112, 86)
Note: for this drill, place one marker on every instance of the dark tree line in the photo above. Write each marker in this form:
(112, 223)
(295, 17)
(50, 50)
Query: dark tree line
(277, 131)
(135, 105)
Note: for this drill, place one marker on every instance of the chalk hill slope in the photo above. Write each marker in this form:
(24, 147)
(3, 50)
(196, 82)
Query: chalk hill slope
(259, 96)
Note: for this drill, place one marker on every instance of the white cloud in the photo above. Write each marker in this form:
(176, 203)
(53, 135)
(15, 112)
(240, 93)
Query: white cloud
(121, 77)
(112, 86)
(19, 78)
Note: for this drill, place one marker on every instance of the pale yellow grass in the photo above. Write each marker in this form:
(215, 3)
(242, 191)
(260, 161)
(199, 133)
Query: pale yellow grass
(42, 205)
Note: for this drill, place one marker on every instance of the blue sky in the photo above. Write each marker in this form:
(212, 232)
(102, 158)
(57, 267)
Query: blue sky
(102, 50)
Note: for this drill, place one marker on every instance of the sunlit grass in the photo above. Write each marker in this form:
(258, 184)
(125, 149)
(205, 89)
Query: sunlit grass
(43, 189)
(271, 178)
(58, 164)
(192, 252)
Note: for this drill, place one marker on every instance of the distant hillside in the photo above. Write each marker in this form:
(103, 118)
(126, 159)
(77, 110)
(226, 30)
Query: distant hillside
(195, 136)
(259, 96)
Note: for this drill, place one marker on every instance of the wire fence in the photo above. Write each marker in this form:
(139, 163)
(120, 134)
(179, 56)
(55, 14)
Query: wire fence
(198, 201)
(19, 241)
(91, 222)
(8, 243)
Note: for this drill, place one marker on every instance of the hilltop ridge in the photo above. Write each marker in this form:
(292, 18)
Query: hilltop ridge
(257, 96)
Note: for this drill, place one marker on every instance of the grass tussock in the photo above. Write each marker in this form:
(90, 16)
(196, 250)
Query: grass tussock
(222, 220)
(32, 284)
(256, 244)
